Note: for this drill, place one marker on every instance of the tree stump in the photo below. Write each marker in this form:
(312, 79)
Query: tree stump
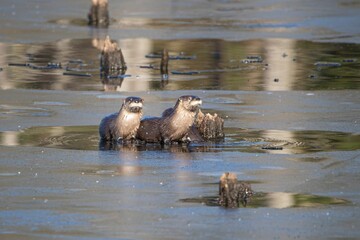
(210, 126)
(99, 14)
(164, 62)
(232, 192)
(112, 60)
(164, 71)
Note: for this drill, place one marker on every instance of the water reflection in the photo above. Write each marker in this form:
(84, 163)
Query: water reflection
(259, 141)
(277, 200)
(287, 65)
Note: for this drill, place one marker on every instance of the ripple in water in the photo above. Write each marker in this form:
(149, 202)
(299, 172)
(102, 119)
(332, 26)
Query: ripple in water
(237, 140)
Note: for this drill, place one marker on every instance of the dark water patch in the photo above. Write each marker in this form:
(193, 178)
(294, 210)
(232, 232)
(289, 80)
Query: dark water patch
(218, 65)
(241, 140)
(277, 200)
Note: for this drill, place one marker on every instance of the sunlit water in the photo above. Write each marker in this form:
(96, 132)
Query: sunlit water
(286, 64)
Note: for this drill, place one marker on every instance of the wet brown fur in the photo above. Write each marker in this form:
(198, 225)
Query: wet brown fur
(124, 124)
(172, 127)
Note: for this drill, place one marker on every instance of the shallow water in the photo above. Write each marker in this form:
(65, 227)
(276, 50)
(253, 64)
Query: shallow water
(286, 64)
(283, 75)
(242, 140)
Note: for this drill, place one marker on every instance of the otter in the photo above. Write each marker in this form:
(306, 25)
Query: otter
(174, 126)
(124, 124)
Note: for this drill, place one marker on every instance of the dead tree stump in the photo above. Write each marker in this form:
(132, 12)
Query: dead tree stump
(164, 62)
(210, 126)
(232, 192)
(99, 14)
(164, 71)
(112, 60)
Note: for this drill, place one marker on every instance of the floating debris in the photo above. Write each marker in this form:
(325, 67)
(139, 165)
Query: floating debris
(252, 59)
(49, 66)
(19, 64)
(350, 60)
(147, 66)
(327, 64)
(171, 57)
(118, 76)
(182, 57)
(276, 80)
(185, 73)
(153, 55)
(272, 148)
(77, 74)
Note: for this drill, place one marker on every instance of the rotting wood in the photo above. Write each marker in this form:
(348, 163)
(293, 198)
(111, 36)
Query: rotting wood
(112, 60)
(232, 192)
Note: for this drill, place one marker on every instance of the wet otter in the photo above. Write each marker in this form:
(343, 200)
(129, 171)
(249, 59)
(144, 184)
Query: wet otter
(206, 127)
(232, 192)
(124, 124)
(174, 126)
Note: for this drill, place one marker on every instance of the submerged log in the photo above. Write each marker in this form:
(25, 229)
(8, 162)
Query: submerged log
(232, 192)
(210, 126)
(112, 60)
(99, 13)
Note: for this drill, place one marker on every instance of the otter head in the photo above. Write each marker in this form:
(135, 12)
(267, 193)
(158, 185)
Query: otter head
(133, 104)
(189, 102)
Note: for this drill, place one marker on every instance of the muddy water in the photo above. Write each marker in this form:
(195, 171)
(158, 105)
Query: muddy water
(284, 75)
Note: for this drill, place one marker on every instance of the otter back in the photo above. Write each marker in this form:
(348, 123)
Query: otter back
(149, 130)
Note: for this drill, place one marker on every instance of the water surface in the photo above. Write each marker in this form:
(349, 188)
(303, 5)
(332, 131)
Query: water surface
(285, 64)
(283, 75)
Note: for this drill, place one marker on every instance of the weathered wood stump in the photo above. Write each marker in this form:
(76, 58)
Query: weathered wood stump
(112, 60)
(164, 62)
(232, 192)
(210, 126)
(99, 14)
(164, 71)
